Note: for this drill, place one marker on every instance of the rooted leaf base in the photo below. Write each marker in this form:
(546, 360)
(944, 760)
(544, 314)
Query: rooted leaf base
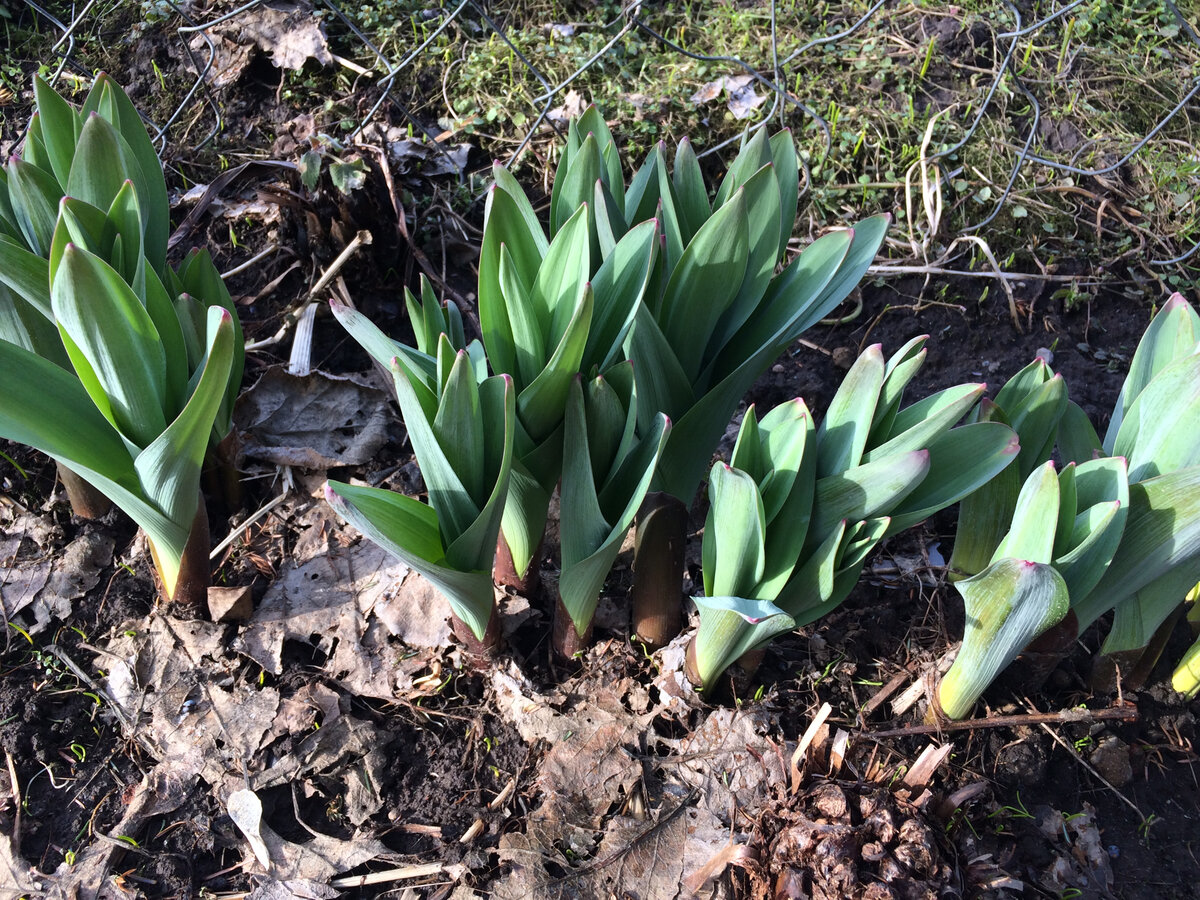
(483, 651)
(190, 598)
(1030, 670)
(568, 644)
(505, 575)
(657, 594)
(733, 683)
(86, 502)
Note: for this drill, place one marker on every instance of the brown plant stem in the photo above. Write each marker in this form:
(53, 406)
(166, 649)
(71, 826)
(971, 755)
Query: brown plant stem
(735, 680)
(504, 571)
(86, 501)
(1031, 669)
(1130, 669)
(1066, 716)
(493, 638)
(566, 641)
(190, 598)
(658, 548)
(221, 477)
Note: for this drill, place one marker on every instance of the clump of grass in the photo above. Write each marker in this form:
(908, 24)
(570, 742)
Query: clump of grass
(1103, 76)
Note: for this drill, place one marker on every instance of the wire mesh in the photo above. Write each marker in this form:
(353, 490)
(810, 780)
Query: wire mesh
(780, 74)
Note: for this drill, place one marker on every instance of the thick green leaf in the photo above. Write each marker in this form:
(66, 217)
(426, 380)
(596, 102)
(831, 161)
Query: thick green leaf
(506, 222)
(1035, 420)
(592, 531)
(842, 437)
(562, 278)
(1161, 431)
(60, 127)
(729, 628)
(754, 153)
(1018, 389)
(690, 192)
(787, 175)
(421, 368)
(107, 98)
(738, 534)
(100, 166)
(932, 416)
(704, 284)
(528, 341)
(169, 468)
(578, 185)
(25, 326)
(27, 274)
(961, 460)
(1162, 533)
(1137, 618)
(1035, 519)
(525, 512)
(34, 194)
(1172, 334)
(862, 492)
(641, 197)
(762, 226)
(456, 508)
(811, 586)
(475, 548)
(1077, 439)
(1098, 532)
(112, 331)
(901, 367)
(408, 530)
(618, 288)
(459, 429)
(1008, 605)
(662, 384)
(540, 406)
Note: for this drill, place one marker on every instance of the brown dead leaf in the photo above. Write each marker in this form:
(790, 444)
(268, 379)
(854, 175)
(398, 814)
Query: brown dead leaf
(729, 760)
(572, 107)
(743, 99)
(352, 600)
(316, 860)
(44, 582)
(314, 421)
(288, 32)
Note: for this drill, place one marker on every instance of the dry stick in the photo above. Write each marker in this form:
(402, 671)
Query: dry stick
(15, 787)
(1083, 762)
(237, 532)
(363, 237)
(402, 874)
(1063, 717)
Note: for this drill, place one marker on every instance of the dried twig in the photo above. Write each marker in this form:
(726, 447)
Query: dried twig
(1062, 717)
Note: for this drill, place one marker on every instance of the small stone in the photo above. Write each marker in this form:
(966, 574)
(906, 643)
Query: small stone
(844, 357)
(1111, 759)
(230, 604)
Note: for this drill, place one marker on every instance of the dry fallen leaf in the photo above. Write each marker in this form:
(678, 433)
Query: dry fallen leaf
(315, 421)
(354, 600)
(289, 33)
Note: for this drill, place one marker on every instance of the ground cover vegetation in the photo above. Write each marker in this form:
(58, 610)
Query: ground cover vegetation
(623, 321)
